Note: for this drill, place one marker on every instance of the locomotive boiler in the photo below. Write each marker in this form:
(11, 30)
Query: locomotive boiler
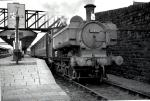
(79, 50)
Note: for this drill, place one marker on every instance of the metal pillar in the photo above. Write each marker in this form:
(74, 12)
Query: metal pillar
(17, 52)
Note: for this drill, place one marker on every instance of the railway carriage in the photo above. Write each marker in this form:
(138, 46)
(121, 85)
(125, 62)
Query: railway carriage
(39, 49)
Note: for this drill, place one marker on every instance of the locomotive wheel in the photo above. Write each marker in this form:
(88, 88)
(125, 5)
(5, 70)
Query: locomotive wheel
(72, 73)
(58, 68)
(63, 69)
(100, 79)
(102, 73)
(66, 70)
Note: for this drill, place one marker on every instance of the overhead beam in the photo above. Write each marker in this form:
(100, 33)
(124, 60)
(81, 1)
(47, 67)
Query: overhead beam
(43, 24)
(36, 20)
(31, 16)
(37, 17)
(3, 43)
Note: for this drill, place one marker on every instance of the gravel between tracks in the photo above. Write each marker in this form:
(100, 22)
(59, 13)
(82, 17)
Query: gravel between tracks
(75, 93)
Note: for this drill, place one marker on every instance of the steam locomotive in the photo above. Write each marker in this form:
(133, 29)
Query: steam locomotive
(79, 50)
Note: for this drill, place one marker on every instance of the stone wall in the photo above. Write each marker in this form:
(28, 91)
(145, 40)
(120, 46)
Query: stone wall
(133, 40)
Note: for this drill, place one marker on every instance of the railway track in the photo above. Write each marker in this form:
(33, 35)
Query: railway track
(109, 91)
(88, 90)
(84, 88)
(114, 91)
(4, 55)
(130, 90)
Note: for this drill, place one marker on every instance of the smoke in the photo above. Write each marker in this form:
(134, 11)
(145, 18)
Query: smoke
(6, 0)
(64, 8)
(88, 2)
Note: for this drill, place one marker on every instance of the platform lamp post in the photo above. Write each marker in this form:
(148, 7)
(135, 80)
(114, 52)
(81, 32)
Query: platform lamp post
(16, 33)
(17, 52)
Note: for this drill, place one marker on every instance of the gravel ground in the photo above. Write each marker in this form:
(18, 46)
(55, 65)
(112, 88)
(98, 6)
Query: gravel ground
(75, 93)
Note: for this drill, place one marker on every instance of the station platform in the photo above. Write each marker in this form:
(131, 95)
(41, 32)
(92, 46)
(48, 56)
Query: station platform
(30, 80)
(130, 84)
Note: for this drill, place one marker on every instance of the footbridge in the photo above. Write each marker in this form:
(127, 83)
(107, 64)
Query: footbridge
(30, 23)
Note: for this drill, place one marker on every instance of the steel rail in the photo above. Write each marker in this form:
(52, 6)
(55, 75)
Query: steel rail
(130, 90)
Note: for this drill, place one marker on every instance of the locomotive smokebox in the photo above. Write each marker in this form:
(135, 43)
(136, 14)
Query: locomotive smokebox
(89, 11)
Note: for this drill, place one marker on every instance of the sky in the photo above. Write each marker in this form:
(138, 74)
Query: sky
(69, 8)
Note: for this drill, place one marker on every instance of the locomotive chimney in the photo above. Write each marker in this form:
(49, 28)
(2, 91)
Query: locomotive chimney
(89, 11)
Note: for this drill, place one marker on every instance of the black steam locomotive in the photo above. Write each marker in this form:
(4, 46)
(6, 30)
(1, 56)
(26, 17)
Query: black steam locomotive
(79, 49)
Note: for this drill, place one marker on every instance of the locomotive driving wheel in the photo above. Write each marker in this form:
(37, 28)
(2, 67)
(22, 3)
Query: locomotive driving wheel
(101, 74)
(66, 71)
(58, 67)
(72, 73)
(63, 69)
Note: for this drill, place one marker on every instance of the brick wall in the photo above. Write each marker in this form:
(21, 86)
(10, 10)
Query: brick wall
(137, 16)
(133, 40)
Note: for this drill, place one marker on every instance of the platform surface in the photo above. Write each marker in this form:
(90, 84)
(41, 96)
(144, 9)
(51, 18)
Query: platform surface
(30, 80)
(129, 83)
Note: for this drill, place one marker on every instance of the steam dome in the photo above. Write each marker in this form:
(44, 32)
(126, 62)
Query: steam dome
(76, 19)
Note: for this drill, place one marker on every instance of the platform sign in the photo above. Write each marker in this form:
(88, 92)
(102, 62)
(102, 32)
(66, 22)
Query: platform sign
(13, 8)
